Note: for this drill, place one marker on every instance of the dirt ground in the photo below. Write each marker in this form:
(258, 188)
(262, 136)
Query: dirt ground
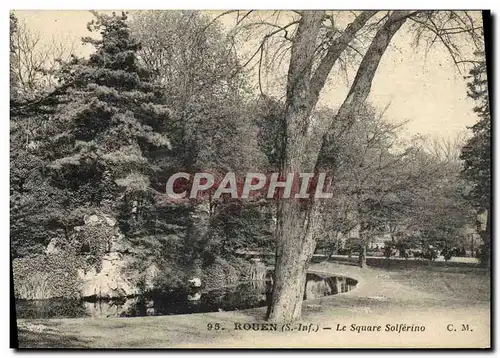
(428, 307)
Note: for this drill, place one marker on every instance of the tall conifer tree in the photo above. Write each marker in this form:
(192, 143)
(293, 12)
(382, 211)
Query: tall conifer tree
(111, 118)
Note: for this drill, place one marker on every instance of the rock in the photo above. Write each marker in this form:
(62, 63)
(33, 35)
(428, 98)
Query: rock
(194, 297)
(149, 276)
(194, 282)
(109, 220)
(118, 243)
(99, 218)
(92, 219)
(52, 247)
(110, 282)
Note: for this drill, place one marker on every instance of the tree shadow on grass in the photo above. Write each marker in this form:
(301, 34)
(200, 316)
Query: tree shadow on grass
(49, 339)
(45, 334)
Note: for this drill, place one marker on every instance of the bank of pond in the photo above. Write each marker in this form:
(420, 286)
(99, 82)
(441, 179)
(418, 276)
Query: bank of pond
(250, 294)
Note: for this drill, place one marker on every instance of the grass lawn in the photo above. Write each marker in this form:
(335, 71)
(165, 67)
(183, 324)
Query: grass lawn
(442, 299)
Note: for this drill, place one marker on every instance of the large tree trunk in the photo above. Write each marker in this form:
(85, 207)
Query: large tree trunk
(295, 241)
(485, 235)
(362, 255)
(297, 222)
(295, 247)
(197, 230)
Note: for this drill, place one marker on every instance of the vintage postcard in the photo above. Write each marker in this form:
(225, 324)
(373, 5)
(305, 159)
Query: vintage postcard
(250, 179)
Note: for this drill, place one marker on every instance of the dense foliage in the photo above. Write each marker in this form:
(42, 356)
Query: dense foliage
(476, 153)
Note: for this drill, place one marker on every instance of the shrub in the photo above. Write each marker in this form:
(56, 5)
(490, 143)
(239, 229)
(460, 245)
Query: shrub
(47, 276)
(169, 279)
(34, 287)
(388, 247)
(430, 253)
(94, 242)
(225, 272)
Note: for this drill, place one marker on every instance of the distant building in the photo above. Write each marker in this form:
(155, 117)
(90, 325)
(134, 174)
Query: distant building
(379, 241)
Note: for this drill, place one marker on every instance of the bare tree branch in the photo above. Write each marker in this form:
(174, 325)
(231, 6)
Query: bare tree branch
(362, 82)
(335, 50)
(430, 22)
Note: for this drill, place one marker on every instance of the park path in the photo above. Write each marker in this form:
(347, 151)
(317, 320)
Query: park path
(377, 300)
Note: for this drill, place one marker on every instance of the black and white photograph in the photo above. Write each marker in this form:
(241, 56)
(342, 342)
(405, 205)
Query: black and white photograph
(210, 179)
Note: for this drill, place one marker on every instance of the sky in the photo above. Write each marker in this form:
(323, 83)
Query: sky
(427, 91)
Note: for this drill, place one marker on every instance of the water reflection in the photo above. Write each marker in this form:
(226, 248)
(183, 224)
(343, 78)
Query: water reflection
(318, 286)
(245, 295)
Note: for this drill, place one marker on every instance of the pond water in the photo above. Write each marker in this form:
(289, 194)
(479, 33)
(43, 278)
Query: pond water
(245, 295)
